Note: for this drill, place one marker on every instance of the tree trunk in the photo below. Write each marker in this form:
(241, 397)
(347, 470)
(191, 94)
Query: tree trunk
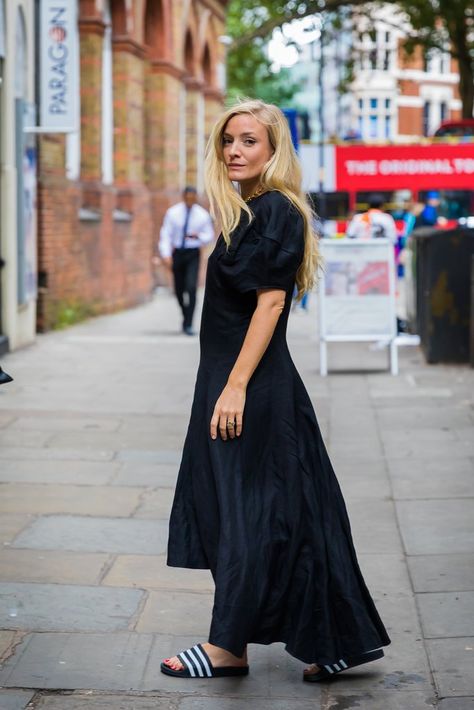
(458, 35)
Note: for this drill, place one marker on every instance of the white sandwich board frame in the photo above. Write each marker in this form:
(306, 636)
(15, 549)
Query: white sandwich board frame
(357, 295)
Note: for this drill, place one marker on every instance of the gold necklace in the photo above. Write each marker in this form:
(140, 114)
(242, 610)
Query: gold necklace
(256, 193)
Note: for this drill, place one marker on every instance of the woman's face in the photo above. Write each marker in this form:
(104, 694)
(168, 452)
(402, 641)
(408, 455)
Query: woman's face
(246, 149)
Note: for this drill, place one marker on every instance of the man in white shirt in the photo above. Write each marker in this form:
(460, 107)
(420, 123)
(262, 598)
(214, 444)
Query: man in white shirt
(374, 223)
(186, 227)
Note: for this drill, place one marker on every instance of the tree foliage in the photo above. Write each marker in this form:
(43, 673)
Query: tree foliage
(441, 24)
(249, 71)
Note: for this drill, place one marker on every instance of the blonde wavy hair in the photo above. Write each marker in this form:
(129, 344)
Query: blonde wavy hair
(282, 172)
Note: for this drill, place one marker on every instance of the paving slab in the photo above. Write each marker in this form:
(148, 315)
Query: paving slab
(17, 565)
(163, 456)
(23, 438)
(6, 640)
(374, 526)
(153, 573)
(338, 699)
(206, 703)
(61, 607)
(452, 662)
(440, 444)
(60, 472)
(89, 701)
(17, 453)
(14, 699)
(437, 526)
(457, 704)
(442, 573)
(67, 532)
(146, 474)
(11, 524)
(416, 417)
(80, 500)
(385, 573)
(156, 504)
(447, 614)
(65, 422)
(74, 661)
(6, 419)
(171, 612)
(118, 440)
(430, 478)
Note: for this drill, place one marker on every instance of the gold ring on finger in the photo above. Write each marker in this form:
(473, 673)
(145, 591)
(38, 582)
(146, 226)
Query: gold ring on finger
(230, 424)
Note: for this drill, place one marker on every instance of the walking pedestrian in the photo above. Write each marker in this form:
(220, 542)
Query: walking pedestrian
(429, 215)
(257, 501)
(374, 223)
(186, 227)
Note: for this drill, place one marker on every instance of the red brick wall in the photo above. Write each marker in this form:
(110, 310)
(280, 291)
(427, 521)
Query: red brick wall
(89, 267)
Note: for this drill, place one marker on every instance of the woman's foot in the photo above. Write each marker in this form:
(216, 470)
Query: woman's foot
(312, 669)
(219, 658)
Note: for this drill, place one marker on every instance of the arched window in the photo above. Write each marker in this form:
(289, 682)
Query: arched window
(189, 54)
(207, 66)
(154, 29)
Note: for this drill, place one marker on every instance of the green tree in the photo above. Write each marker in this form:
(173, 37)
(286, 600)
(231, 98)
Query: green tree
(249, 71)
(447, 25)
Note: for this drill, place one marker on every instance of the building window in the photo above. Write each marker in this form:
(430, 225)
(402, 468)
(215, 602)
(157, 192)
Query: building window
(428, 60)
(388, 126)
(373, 126)
(426, 117)
(387, 37)
(386, 60)
(443, 111)
(373, 58)
(444, 63)
(361, 104)
(373, 103)
(387, 104)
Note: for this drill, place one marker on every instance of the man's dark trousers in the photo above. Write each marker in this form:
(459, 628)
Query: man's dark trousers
(185, 272)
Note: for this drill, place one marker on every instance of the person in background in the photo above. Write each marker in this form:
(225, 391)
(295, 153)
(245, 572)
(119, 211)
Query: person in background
(373, 224)
(429, 215)
(4, 377)
(186, 228)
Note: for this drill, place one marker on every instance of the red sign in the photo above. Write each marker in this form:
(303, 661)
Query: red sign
(420, 167)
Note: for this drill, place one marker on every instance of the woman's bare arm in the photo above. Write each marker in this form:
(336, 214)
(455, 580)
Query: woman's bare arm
(230, 405)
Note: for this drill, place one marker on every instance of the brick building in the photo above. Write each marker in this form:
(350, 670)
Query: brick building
(150, 85)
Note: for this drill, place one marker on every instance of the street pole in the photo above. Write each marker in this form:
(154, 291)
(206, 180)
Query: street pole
(322, 130)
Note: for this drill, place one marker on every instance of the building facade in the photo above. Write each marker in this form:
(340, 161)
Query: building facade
(393, 96)
(17, 174)
(396, 96)
(150, 83)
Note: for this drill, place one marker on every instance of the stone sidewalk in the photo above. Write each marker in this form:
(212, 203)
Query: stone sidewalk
(90, 439)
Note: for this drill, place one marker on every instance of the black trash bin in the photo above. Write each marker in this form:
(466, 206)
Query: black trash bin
(438, 280)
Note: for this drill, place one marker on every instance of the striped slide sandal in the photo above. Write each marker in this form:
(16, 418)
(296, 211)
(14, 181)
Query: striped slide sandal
(197, 664)
(342, 664)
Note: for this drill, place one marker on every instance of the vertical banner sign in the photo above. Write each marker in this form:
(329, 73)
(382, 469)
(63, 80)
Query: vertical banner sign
(58, 65)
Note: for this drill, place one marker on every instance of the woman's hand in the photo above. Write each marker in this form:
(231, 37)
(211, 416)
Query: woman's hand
(228, 412)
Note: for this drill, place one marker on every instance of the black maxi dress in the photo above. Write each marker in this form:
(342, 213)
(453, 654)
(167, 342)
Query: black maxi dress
(264, 511)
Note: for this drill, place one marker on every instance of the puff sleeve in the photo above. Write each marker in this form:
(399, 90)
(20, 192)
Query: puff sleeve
(271, 253)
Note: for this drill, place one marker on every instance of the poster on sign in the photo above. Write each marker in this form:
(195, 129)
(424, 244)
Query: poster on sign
(357, 292)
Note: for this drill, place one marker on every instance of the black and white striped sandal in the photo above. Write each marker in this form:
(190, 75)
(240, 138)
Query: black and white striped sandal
(197, 664)
(342, 664)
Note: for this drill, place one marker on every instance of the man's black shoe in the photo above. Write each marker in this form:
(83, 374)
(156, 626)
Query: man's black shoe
(4, 377)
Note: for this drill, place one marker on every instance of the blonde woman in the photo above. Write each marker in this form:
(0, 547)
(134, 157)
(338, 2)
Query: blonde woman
(257, 501)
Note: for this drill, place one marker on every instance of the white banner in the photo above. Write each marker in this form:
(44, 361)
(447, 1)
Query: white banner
(59, 69)
(357, 291)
